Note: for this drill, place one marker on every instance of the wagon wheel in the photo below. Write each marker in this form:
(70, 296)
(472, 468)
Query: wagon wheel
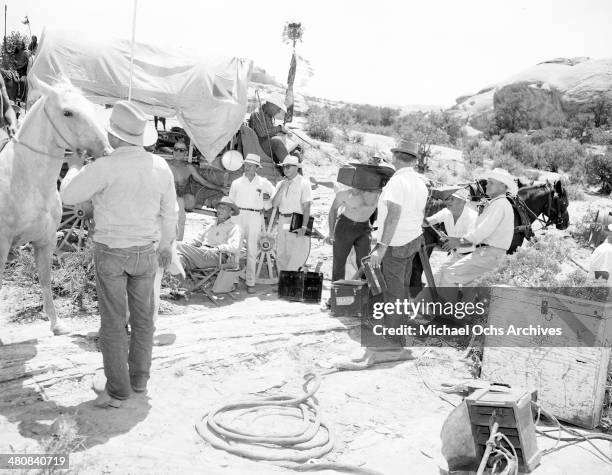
(75, 225)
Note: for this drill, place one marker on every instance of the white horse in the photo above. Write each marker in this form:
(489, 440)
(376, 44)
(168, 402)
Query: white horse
(30, 206)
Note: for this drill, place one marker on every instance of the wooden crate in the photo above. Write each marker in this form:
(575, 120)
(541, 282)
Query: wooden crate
(570, 380)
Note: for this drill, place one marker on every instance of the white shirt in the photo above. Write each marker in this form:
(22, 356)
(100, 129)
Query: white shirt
(601, 260)
(133, 197)
(495, 226)
(407, 189)
(296, 193)
(249, 194)
(465, 223)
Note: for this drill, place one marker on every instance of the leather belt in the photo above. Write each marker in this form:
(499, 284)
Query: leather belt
(481, 245)
(251, 209)
(286, 215)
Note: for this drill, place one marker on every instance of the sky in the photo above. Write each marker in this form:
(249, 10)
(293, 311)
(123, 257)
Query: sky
(383, 52)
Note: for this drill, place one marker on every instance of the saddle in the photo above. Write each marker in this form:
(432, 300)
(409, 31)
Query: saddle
(522, 224)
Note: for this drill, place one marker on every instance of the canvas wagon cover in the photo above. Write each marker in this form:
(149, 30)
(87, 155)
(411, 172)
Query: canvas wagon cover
(208, 96)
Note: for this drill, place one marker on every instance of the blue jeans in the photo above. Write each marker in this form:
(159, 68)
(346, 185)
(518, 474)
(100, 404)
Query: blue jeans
(120, 271)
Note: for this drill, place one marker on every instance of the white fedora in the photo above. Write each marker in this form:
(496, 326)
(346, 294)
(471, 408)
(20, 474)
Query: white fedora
(254, 159)
(291, 160)
(504, 177)
(128, 123)
(278, 101)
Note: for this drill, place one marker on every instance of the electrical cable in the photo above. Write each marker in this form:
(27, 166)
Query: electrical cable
(291, 450)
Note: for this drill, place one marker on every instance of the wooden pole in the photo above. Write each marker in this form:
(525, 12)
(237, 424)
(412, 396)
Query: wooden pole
(132, 52)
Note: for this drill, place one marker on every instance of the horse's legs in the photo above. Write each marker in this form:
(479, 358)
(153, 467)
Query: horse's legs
(43, 255)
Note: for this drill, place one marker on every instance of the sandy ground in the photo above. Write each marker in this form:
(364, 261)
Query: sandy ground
(386, 418)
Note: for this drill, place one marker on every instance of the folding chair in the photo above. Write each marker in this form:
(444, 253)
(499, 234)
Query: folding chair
(217, 280)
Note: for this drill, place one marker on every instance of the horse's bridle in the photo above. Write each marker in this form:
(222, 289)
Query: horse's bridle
(57, 131)
(551, 195)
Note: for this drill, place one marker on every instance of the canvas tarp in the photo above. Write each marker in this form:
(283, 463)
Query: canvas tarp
(208, 96)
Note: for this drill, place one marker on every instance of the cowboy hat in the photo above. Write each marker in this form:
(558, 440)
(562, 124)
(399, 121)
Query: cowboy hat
(404, 146)
(128, 123)
(278, 101)
(291, 160)
(501, 175)
(226, 200)
(232, 160)
(254, 159)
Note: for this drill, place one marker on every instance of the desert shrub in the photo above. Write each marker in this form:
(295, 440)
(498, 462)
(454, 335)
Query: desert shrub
(508, 162)
(520, 147)
(318, 124)
(575, 192)
(581, 229)
(601, 136)
(540, 136)
(560, 154)
(598, 170)
(361, 153)
(536, 264)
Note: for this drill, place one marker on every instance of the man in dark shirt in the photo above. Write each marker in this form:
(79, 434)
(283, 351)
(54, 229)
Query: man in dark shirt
(262, 122)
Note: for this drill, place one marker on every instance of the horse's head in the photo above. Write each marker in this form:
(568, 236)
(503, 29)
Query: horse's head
(74, 119)
(560, 202)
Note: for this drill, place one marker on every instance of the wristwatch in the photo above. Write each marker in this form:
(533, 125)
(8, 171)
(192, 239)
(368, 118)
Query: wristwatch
(462, 241)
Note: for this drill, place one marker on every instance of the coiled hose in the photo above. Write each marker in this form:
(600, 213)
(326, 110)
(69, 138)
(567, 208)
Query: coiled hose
(291, 450)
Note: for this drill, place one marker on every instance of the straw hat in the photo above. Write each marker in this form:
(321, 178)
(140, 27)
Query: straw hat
(254, 159)
(278, 101)
(128, 123)
(291, 160)
(504, 177)
(404, 146)
(226, 200)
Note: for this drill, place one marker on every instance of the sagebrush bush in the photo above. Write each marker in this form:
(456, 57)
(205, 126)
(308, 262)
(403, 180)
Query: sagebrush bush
(538, 264)
(508, 162)
(581, 229)
(598, 171)
(575, 192)
(519, 146)
(601, 136)
(318, 124)
(560, 154)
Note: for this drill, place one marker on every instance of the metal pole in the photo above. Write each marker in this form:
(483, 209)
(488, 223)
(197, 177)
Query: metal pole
(132, 52)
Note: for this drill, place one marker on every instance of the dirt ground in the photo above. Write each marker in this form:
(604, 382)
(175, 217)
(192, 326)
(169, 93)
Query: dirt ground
(387, 417)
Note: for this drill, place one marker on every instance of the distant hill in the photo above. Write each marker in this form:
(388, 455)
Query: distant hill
(560, 86)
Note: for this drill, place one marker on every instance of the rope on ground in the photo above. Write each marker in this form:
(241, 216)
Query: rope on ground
(292, 450)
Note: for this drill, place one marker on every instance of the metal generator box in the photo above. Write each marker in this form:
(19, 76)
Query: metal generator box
(349, 298)
(364, 177)
(300, 286)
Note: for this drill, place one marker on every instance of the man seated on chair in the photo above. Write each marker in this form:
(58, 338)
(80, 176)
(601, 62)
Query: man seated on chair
(491, 236)
(459, 218)
(223, 236)
(270, 135)
(182, 170)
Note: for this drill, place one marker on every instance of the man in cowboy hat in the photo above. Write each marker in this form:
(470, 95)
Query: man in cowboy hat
(135, 210)
(401, 209)
(223, 236)
(293, 195)
(491, 236)
(252, 194)
(262, 122)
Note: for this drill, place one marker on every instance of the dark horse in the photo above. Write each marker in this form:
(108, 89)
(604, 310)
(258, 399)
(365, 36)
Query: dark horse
(548, 200)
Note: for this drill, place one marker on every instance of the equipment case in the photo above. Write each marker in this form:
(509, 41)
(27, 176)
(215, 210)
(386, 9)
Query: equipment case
(349, 298)
(300, 286)
(364, 177)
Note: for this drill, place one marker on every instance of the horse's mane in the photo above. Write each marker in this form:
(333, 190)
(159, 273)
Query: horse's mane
(63, 85)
